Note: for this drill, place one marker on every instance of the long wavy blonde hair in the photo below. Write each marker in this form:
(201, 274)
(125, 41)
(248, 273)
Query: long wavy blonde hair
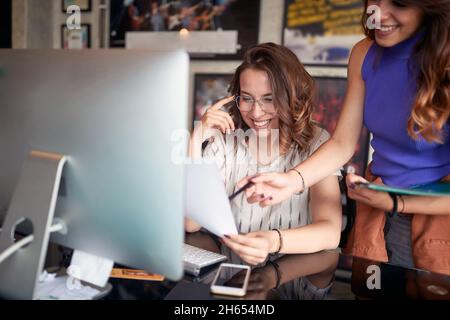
(292, 91)
(431, 109)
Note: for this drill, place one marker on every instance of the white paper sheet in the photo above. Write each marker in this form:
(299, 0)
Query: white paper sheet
(207, 201)
(51, 287)
(90, 268)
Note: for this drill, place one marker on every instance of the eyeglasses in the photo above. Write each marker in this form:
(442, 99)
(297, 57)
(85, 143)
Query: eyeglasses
(246, 103)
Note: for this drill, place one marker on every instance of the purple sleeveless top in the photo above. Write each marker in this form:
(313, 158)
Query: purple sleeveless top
(391, 87)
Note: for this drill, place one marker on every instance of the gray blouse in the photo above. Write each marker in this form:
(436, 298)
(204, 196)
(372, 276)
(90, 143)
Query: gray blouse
(236, 162)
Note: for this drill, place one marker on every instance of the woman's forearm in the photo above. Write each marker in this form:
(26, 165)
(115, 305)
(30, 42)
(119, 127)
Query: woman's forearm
(295, 266)
(424, 205)
(191, 226)
(331, 156)
(321, 235)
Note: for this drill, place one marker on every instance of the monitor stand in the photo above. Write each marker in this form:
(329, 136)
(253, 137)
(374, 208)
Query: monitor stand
(34, 201)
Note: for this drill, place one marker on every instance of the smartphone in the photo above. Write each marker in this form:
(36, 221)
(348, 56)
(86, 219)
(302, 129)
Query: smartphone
(231, 280)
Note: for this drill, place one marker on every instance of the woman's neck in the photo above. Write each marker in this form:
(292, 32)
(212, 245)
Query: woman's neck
(265, 149)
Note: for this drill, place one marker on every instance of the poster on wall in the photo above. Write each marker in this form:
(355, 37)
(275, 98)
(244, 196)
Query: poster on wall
(192, 15)
(322, 31)
(208, 88)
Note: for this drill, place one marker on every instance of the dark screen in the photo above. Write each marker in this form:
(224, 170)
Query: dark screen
(232, 277)
(5, 24)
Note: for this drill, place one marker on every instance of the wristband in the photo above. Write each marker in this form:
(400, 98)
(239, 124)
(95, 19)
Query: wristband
(277, 271)
(280, 239)
(394, 200)
(303, 180)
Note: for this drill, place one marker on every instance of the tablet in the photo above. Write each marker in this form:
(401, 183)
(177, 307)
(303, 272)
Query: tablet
(437, 189)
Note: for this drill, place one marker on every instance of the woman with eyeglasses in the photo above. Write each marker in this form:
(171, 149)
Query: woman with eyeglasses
(266, 125)
(399, 87)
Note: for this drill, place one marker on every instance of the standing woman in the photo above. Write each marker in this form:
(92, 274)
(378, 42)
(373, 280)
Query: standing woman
(399, 87)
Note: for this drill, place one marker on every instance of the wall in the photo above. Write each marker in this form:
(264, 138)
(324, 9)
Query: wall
(37, 23)
(32, 24)
(94, 18)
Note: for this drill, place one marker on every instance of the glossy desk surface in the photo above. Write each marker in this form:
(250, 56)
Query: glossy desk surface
(320, 276)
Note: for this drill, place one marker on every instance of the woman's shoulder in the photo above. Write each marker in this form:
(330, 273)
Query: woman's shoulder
(320, 137)
(358, 55)
(361, 48)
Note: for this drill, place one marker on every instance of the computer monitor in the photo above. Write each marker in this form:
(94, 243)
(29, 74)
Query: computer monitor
(113, 114)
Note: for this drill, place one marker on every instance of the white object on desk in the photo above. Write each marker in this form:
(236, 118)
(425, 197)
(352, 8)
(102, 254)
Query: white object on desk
(207, 201)
(51, 287)
(90, 268)
(194, 259)
(226, 272)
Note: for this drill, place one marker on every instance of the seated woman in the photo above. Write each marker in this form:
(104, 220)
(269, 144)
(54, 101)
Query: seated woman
(272, 98)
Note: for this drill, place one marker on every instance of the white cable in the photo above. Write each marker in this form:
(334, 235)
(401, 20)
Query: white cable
(16, 246)
(56, 227)
(27, 240)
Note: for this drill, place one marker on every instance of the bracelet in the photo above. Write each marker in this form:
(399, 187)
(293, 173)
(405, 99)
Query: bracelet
(277, 271)
(303, 180)
(394, 200)
(403, 204)
(281, 241)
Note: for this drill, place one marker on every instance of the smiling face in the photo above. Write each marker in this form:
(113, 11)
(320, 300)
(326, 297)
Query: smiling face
(398, 22)
(255, 84)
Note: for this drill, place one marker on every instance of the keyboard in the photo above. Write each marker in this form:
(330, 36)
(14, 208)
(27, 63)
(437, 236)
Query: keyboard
(194, 259)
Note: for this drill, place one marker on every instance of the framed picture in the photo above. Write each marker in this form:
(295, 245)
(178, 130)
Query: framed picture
(76, 39)
(331, 85)
(322, 32)
(208, 88)
(85, 5)
(192, 15)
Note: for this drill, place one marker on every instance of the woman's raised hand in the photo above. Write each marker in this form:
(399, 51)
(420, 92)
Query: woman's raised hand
(215, 119)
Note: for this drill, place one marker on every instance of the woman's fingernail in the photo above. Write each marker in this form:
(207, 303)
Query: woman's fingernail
(270, 198)
(352, 186)
(261, 196)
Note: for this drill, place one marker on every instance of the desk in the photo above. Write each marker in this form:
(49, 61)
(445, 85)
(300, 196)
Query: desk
(325, 275)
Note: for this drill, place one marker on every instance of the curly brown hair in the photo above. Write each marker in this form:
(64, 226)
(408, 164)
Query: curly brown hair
(431, 109)
(292, 89)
